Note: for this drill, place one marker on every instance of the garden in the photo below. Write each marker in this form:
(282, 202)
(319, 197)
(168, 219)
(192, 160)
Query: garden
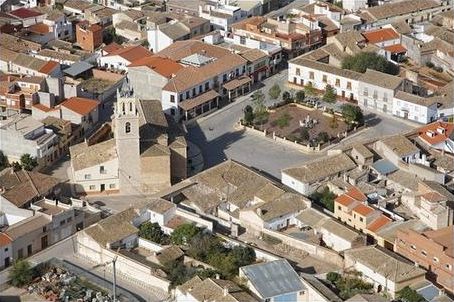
(297, 117)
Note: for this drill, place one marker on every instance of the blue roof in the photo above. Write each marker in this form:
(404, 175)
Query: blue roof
(429, 292)
(273, 279)
(384, 166)
(78, 68)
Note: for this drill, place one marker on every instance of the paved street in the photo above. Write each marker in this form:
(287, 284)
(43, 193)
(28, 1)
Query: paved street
(216, 136)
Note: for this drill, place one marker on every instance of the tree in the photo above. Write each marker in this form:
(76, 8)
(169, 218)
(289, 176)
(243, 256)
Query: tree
(3, 161)
(248, 115)
(260, 110)
(153, 232)
(408, 294)
(110, 35)
(145, 44)
(21, 273)
(183, 234)
(274, 91)
(352, 114)
(333, 277)
(330, 94)
(300, 95)
(286, 96)
(28, 162)
(325, 198)
(204, 245)
(323, 137)
(364, 60)
(309, 89)
(304, 134)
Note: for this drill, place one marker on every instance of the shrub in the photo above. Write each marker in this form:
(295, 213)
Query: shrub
(183, 234)
(274, 91)
(352, 114)
(283, 120)
(330, 94)
(300, 96)
(248, 115)
(364, 60)
(21, 273)
(430, 64)
(28, 162)
(153, 232)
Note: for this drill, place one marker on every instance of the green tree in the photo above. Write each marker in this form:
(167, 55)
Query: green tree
(21, 273)
(309, 89)
(183, 234)
(408, 294)
(352, 114)
(364, 60)
(203, 245)
(145, 44)
(325, 198)
(243, 255)
(3, 161)
(28, 162)
(274, 91)
(260, 110)
(248, 115)
(330, 94)
(286, 96)
(323, 137)
(300, 96)
(333, 277)
(110, 36)
(153, 232)
(304, 134)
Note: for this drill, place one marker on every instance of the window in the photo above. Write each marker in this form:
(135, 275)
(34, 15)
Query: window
(338, 83)
(385, 97)
(424, 253)
(193, 91)
(172, 98)
(127, 127)
(339, 208)
(112, 186)
(365, 92)
(436, 259)
(172, 111)
(62, 222)
(311, 75)
(187, 94)
(29, 249)
(242, 40)
(87, 176)
(20, 254)
(200, 89)
(224, 78)
(298, 72)
(102, 170)
(354, 216)
(207, 85)
(375, 94)
(325, 78)
(92, 187)
(413, 247)
(6, 249)
(181, 97)
(449, 266)
(44, 229)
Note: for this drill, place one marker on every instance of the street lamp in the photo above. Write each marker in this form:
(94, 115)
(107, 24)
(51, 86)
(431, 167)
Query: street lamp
(114, 283)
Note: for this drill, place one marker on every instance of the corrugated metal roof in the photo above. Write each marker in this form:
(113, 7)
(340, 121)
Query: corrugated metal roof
(274, 278)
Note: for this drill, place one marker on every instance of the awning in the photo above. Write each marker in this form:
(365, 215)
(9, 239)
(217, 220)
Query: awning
(238, 82)
(198, 100)
(398, 48)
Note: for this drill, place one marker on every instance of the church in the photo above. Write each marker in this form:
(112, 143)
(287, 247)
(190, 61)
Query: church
(143, 152)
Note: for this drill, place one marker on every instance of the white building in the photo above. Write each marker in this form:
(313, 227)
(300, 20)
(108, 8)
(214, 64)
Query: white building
(388, 273)
(221, 16)
(377, 90)
(22, 134)
(303, 72)
(415, 108)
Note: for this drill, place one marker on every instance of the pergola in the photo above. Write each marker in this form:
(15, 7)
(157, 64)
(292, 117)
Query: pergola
(200, 104)
(238, 86)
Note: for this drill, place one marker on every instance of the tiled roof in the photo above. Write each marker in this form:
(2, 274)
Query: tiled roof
(400, 8)
(400, 145)
(380, 79)
(131, 53)
(436, 137)
(81, 106)
(396, 48)
(433, 197)
(322, 168)
(444, 237)
(380, 35)
(415, 99)
(27, 225)
(4, 240)
(198, 100)
(340, 230)
(49, 67)
(83, 156)
(112, 47)
(287, 203)
(164, 66)
(344, 200)
(39, 28)
(363, 210)
(384, 263)
(25, 13)
(349, 74)
(378, 223)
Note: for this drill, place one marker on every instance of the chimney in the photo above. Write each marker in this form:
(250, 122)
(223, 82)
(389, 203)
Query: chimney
(217, 276)
(226, 291)
(259, 211)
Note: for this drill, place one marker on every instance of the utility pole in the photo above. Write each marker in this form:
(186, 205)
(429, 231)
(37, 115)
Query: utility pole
(114, 290)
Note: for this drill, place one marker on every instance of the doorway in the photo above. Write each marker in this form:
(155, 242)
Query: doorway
(103, 187)
(44, 242)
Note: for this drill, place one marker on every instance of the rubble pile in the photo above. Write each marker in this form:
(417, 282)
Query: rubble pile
(57, 284)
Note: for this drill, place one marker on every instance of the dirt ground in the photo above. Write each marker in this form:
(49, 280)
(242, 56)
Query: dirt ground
(295, 115)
